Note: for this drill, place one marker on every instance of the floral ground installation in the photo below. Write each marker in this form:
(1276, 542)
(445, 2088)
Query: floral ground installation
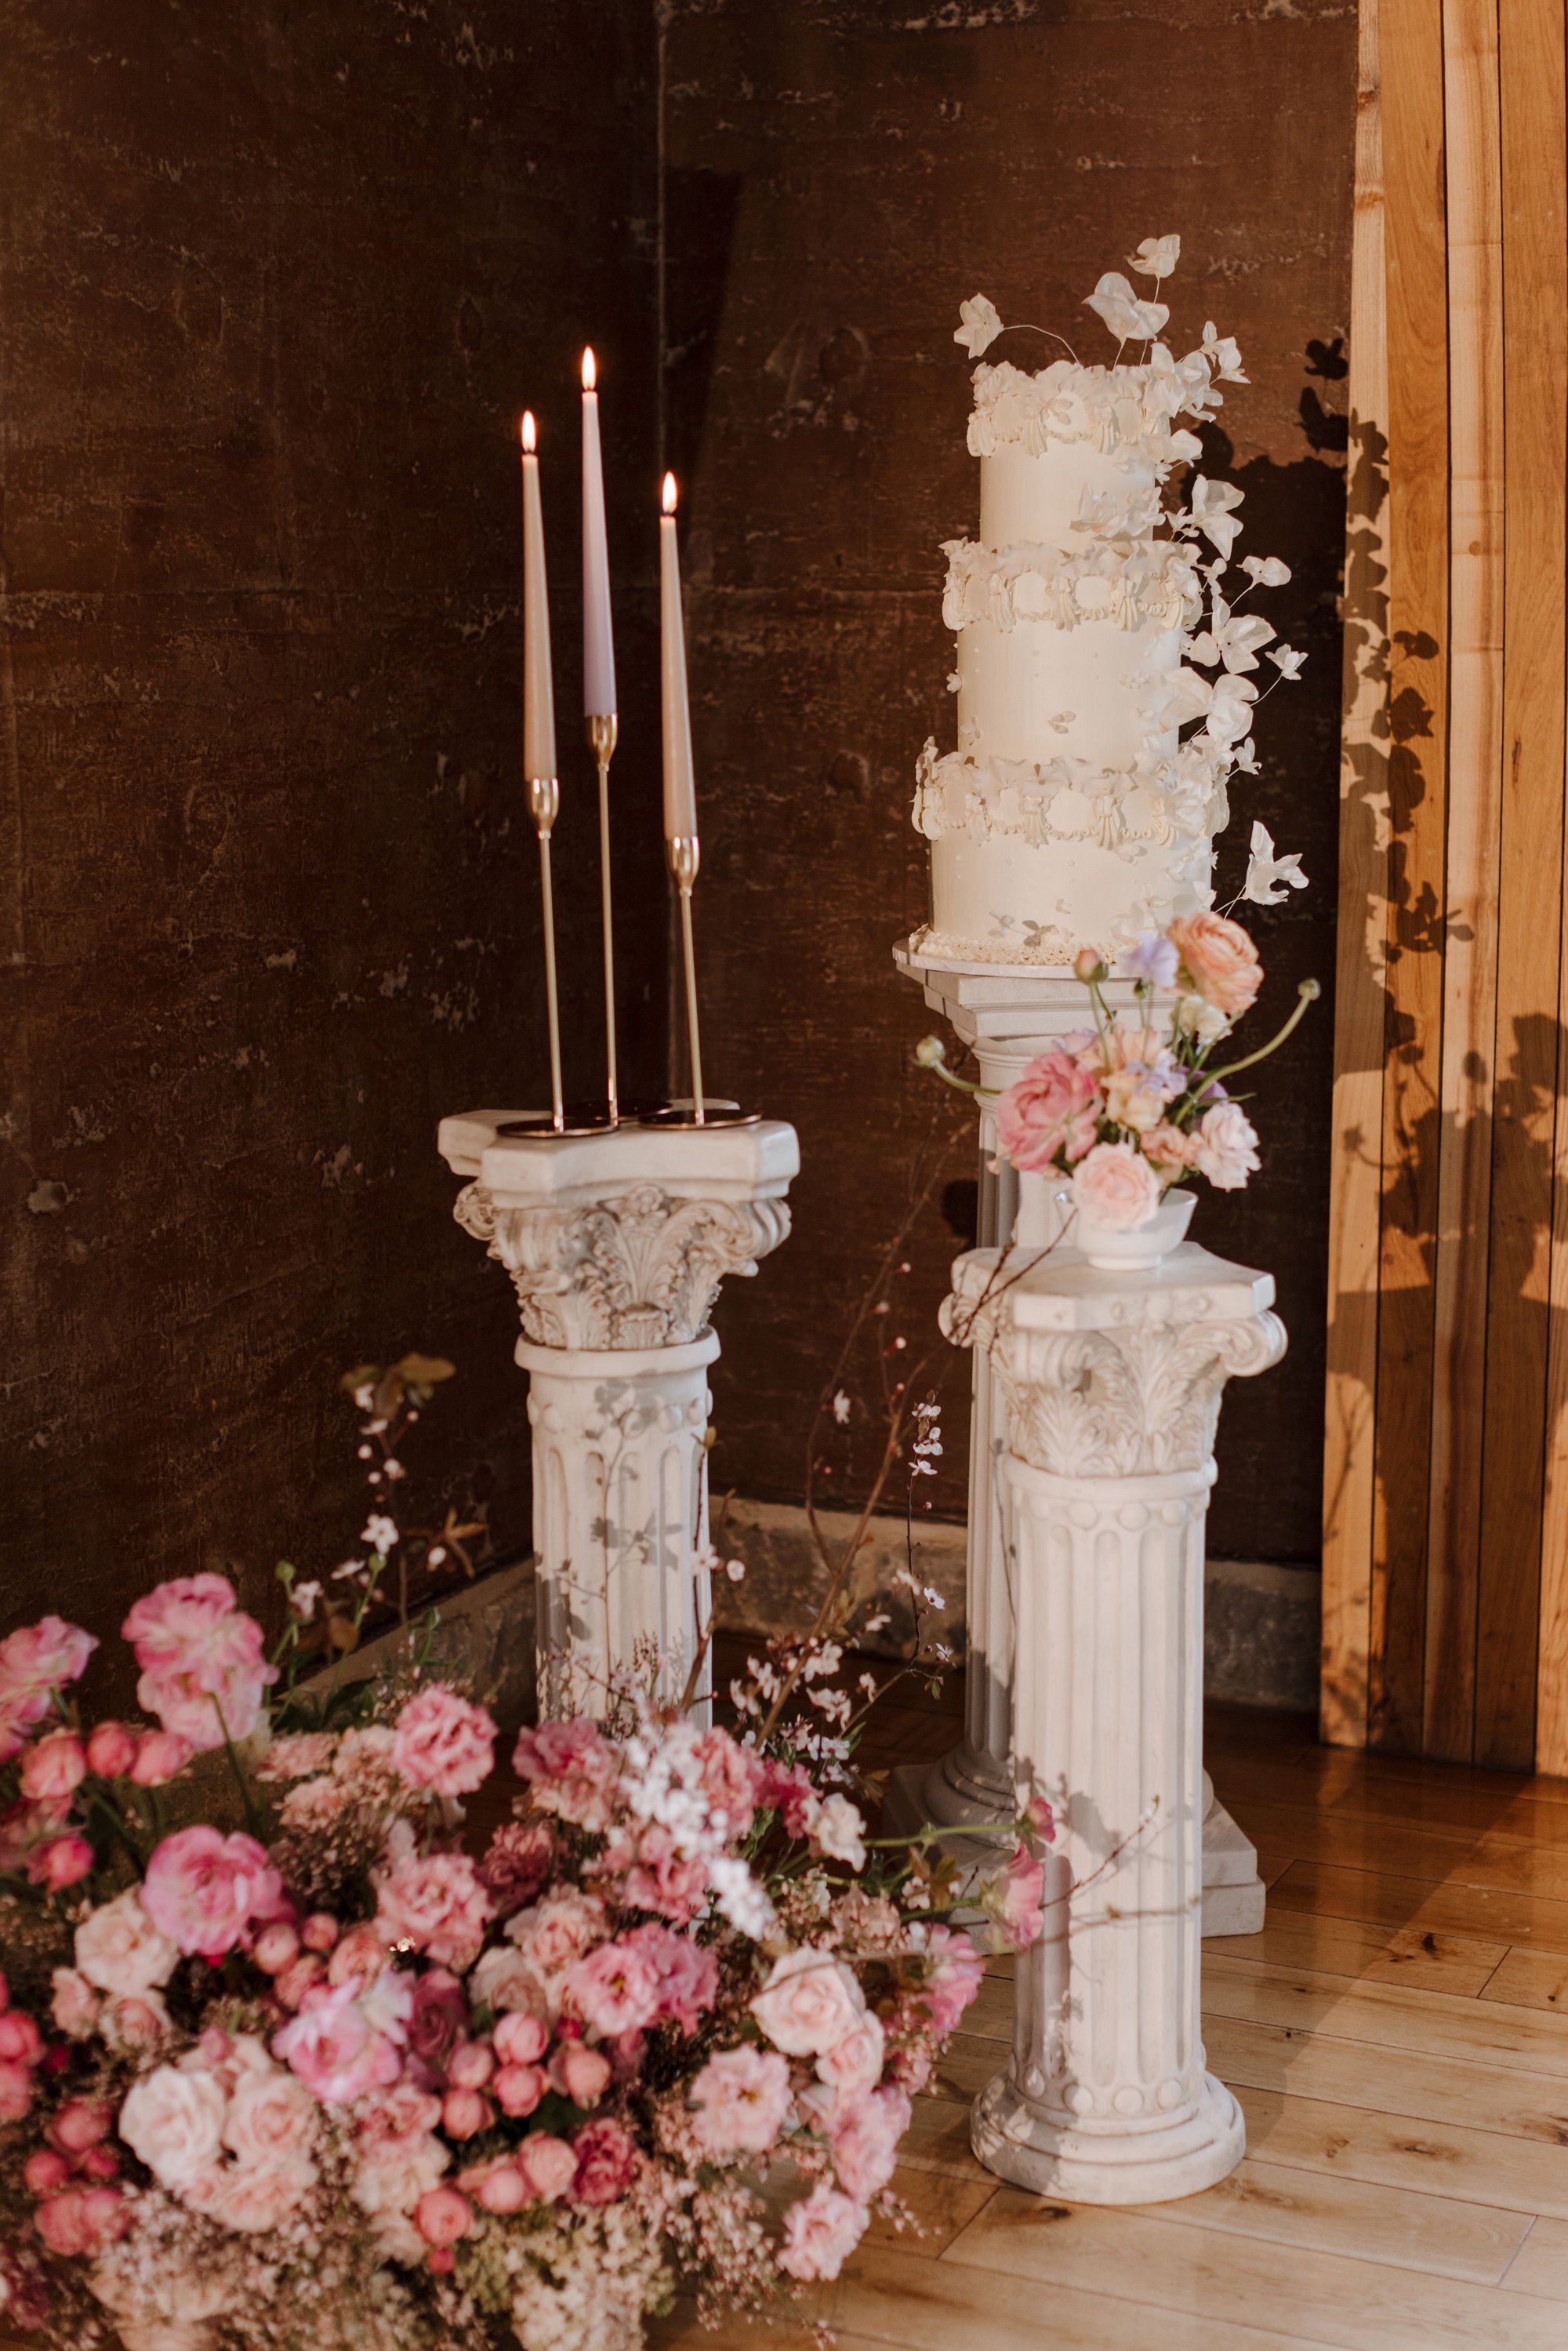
(334, 2079)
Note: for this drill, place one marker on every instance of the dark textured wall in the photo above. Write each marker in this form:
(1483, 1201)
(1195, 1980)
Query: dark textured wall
(274, 286)
(839, 177)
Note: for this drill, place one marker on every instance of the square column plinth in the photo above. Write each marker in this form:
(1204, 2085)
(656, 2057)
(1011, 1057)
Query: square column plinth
(616, 1244)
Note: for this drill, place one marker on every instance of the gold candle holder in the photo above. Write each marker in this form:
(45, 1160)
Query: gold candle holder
(602, 739)
(544, 804)
(684, 853)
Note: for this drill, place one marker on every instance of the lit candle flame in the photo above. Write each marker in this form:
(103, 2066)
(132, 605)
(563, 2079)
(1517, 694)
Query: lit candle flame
(528, 430)
(669, 494)
(590, 371)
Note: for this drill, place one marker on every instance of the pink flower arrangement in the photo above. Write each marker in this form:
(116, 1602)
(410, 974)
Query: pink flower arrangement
(1125, 1109)
(203, 1673)
(444, 1744)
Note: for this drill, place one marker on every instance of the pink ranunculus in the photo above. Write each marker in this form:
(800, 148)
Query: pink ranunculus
(21, 2042)
(521, 2038)
(955, 1971)
(361, 1953)
(1116, 1187)
(579, 2072)
(54, 1768)
(204, 1889)
(118, 1948)
(112, 1750)
(173, 2119)
(1219, 959)
(1022, 1895)
(1050, 1110)
(742, 2097)
(820, 2232)
(465, 2112)
(59, 1862)
(519, 2089)
(443, 2215)
(1170, 1149)
(809, 2001)
(497, 2185)
(606, 2163)
(855, 2060)
(866, 2130)
(1224, 1150)
(39, 1658)
(548, 2164)
(666, 1879)
(160, 1756)
(471, 2065)
(517, 1862)
(444, 1744)
(437, 1905)
(15, 2090)
(335, 2051)
(560, 1931)
(613, 1989)
(687, 1973)
(572, 1770)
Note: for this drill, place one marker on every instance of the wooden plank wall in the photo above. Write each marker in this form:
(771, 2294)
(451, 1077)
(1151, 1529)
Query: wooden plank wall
(1445, 1515)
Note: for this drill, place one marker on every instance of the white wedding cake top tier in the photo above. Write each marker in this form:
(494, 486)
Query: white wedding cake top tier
(1105, 668)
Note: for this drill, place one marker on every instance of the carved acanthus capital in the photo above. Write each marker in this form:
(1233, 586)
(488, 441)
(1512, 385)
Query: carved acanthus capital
(636, 1269)
(1132, 1388)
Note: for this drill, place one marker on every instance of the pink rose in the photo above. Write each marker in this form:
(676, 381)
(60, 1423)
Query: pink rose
(173, 2119)
(521, 2039)
(405, 2112)
(118, 1948)
(955, 1971)
(302, 1975)
(55, 1769)
(505, 1979)
(571, 1769)
(15, 2090)
(866, 2130)
(742, 2097)
(580, 2074)
(465, 2112)
(204, 1670)
(613, 1989)
(443, 2215)
(1219, 959)
(471, 2065)
(440, 2018)
(134, 2020)
(1022, 1894)
(60, 1862)
(606, 2163)
(519, 2089)
(561, 1930)
(855, 2060)
(1116, 1187)
(335, 2051)
(21, 2042)
(437, 1905)
(1050, 1110)
(203, 1890)
(112, 1750)
(548, 2164)
(271, 2117)
(444, 1744)
(809, 2001)
(517, 1862)
(1224, 1150)
(497, 2185)
(61, 2221)
(686, 1974)
(820, 2232)
(160, 1756)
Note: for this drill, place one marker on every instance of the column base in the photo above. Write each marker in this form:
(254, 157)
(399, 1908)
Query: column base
(1018, 2141)
(964, 1786)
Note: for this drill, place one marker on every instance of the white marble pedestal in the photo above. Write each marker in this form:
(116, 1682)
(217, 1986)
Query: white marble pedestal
(1112, 1383)
(1008, 1013)
(616, 1244)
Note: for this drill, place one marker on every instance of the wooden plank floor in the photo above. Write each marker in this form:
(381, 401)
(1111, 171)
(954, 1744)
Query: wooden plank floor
(1397, 2036)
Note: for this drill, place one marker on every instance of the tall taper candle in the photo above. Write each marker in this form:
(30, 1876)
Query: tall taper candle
(680, 792)
(597, 642)
(538, 697)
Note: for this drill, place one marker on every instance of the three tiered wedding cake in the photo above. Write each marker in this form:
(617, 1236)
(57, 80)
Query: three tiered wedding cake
(1103, 673)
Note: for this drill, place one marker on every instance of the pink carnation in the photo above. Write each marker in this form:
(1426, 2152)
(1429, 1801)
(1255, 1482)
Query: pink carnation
(39, 1658)
(437, 1905)
(686, 1974)
(665, 1879)
(1022, 1894)
(954, 1975)
(204, 1670)
(517, 1862)
(204, 1890)
(866, 2130)
(614, 1988)
(336, 2050)
(444, 1744)
(1052, 1108)
(54, 1768)
(572, 1770)
(785, 1789)
(606, 2163)
(820, 2232)
(742, 2097)
(731, 1780)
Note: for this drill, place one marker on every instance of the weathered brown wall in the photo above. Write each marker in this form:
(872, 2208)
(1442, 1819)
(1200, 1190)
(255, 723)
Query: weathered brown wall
(839, 178)
(274, 285)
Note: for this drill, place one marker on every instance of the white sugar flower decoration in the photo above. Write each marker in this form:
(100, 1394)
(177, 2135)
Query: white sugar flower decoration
(1213, 510)
(1156, 256)
(1266, 571)
(1288, 658)
(1265, 871)
(982, 325)
(1223, 354)
(1129, 319)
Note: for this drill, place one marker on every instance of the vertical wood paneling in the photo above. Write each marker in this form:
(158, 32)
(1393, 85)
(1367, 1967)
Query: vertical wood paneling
(1529, 879)
(1416, 259)
(1357, 1169)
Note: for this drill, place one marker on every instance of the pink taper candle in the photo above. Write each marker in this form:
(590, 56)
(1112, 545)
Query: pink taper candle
(680, 792)
(538, 695)
(597, 642)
